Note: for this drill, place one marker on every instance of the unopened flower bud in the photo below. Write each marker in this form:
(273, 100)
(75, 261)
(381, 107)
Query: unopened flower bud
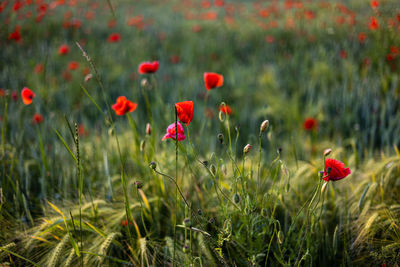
(236, 198)
(144, 82)
(148, 129)
(88, 77)
(110, 131)
(138, 184)
(142, 145)
(213, 170)
(247, 149)
(153, 165)
(187, 222)
(327, 152)
(324, 187)
(221, 138)
(264, 126)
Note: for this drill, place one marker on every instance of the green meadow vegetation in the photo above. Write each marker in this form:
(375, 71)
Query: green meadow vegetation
(287, 154)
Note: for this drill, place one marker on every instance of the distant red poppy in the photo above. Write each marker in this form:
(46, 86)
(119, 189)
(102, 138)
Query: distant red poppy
(335, 170)
(343, 54)
(225, 109)
(374, 4)
(185, 111)
(148, 67)
(123, 106)
(171, 132)
(39, 68)
(114, 38)
(15, 35)
(174, 59)
(361, 37)
(27, 95)
(73, 65)
(63, 49)
(14, 96)
(213, 80)
(37, 118)
(310, 124)
(373, 23)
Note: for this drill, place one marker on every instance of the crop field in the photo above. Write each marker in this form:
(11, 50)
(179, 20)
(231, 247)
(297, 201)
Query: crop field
(199, 133)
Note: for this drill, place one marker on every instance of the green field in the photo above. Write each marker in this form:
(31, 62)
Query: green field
(249, 178)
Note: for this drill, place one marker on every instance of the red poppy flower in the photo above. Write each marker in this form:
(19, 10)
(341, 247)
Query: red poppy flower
(373, 23)
(123, 106)
(213, 80)
(14, 96)
(185, 111)
(27, 95)
(15, 35)
(39, 68)
(63, 49)
(225, 109)
(148, 67)
(343, 54)
(73, 65)
(310, 124)
(114, 38)
(37, 118)
(361, 37)
(335, 170)
(171, 132)
(374, 4)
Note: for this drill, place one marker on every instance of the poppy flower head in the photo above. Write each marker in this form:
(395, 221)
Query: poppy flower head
(63, 49)
(310, 124)
(37, 118)
(123, 105)
(114, 38)
(373, 23)
(185, 111)
(335, 170)
(148, 67)
(27, 95)
(73, 65)
(225, 109)
(171, 132)
(213, 80)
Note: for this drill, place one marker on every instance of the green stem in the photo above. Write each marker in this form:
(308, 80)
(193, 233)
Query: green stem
(176, 183)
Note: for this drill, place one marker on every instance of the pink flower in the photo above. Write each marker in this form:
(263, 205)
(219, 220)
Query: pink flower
(171, 132)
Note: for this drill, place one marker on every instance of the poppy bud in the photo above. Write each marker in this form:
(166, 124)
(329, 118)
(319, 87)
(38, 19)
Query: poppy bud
(264, 126)
(144, 82)
(111, 131)
(142, 145)
(213, 170)
(153, 165)
(221, 138)
(138, 184)
(247, 149)
(327, 152)
(324, 187)
(187, 222)
(236, 198)
(280, 237)
(148, 129)
(88, 77)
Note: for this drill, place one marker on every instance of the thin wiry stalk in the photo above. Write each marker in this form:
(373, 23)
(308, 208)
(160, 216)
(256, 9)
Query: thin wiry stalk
(176, 183)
